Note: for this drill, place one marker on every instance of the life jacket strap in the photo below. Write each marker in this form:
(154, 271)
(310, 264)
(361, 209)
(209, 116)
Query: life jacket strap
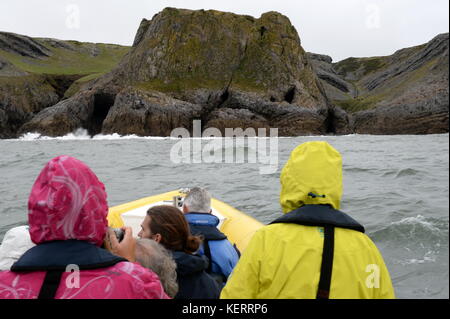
(237, 250)
(51, 284)
(326, 268)
(207, 251)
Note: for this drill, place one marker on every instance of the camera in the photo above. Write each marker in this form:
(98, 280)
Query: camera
(119, 233)
(178, 201)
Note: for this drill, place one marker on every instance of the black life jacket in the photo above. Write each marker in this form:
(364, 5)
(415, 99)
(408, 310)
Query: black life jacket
(208, 233)
(54, 257)
(329, 218)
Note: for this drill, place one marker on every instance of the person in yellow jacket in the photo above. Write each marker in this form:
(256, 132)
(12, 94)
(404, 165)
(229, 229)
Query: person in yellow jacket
(314, 250)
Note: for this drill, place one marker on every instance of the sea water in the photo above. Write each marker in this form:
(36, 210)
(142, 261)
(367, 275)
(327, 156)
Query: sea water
(396, 186)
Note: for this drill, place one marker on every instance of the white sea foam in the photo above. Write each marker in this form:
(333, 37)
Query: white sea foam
(430, 257)
(79, 134)
(82, 135)
(418, 220)
(30, 137)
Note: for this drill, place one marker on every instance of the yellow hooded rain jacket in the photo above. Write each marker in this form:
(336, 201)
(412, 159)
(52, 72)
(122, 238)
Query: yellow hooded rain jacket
(284, 260)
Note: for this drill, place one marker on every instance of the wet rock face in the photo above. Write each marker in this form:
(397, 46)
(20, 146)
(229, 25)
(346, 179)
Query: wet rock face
(416, 116)
(3, 124)
(21, 98)
(24, 96)
(251, 110)
(65, 117)
(405, 93)
(152, 113)
(224, 118)
(147, 113)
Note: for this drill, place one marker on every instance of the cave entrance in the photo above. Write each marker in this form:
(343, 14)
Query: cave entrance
(289, 96)
(102, 104)
(330, 123)
(224, 97)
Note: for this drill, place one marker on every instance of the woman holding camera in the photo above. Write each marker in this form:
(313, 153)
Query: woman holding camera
(67, 220)
(168, 226)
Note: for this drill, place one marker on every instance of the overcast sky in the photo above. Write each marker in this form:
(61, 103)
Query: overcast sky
(339, 28)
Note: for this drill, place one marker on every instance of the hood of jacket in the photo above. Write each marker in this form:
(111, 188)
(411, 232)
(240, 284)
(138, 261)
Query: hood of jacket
(205, 224)
(67, 201)
(312, 175)
(15, 243)
(202, 219)
(188, 264)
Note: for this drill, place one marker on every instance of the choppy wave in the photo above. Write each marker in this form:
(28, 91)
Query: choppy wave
(145, 167)
(402, 173)
(418, 230)
(416, 240)
(429, 257)
(358, 170)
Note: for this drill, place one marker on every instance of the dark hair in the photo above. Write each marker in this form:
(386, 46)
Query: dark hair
(174, 229)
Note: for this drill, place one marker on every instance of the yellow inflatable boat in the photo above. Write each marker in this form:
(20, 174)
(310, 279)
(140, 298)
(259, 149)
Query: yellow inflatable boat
(237, 226)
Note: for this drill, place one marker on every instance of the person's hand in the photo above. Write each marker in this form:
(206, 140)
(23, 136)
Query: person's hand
(126, 248)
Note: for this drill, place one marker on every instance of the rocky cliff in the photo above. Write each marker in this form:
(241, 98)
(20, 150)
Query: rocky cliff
(37, 73)
(225, 69)
(405, 93)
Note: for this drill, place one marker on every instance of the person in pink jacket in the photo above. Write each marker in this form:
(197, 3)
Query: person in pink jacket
(67, 220)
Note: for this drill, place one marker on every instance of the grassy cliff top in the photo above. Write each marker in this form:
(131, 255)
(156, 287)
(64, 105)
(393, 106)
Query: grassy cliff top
(60, 57)
(366, 65)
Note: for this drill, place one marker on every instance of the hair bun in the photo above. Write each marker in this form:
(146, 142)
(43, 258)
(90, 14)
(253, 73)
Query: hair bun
(192, 244)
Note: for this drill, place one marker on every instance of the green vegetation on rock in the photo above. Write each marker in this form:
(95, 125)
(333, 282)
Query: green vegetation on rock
(76, 86)
(84, 59)
(357, 104)
(363, 65)
(212, 50)
(388, 91)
